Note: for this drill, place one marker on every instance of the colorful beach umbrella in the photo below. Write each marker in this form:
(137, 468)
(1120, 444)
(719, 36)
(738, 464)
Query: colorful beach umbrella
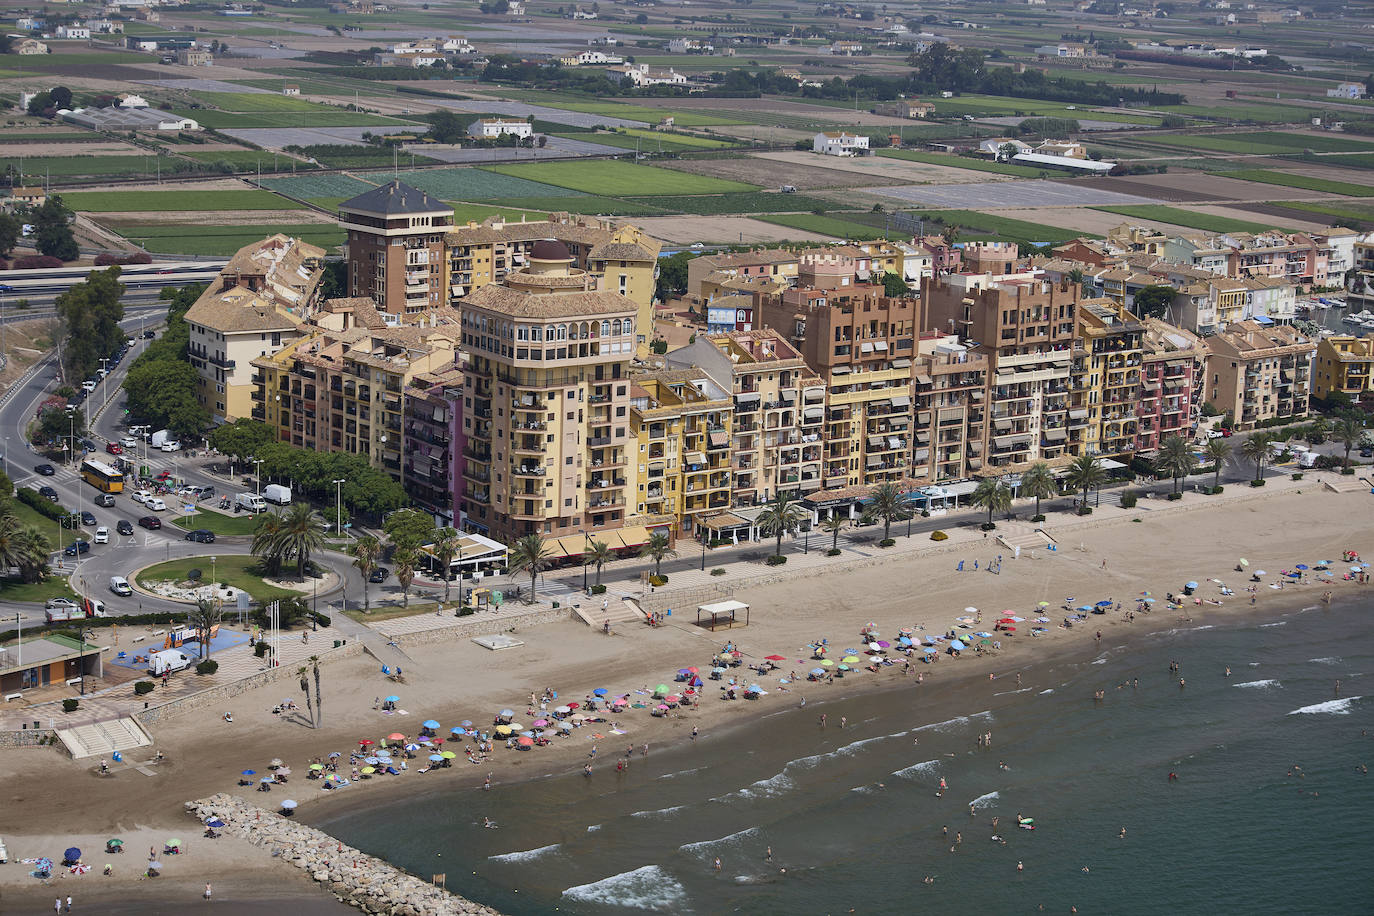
(393, 699)
(368, 771)
(435, 758)
(447, 755)
(850, 659)
(602, 691)
(289, 804)
(249, 773)
(430, 723)
(395, 736)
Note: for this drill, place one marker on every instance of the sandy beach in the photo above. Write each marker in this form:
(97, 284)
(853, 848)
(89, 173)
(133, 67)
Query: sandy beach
(1097, 560)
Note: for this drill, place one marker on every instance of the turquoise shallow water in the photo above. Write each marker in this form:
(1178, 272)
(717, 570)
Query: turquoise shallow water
(854, 819)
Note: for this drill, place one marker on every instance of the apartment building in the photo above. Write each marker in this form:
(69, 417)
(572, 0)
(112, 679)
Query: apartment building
(779, 411)
(431, 467)
(861, 344)
(1303, 259)
(1346, 364)
(951, 410)
(1026, 325)
(1259, 372)
(257, 304)
(680, 427)
(623, 259)
(775, 263)
(546, 400)
(395, 250)
(1168, 402)
(1107, 378)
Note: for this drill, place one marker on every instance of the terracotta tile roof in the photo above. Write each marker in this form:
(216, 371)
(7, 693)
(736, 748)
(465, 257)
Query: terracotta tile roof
(520, 304)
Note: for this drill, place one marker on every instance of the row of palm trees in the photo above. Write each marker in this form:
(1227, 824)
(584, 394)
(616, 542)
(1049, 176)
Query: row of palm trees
(530, 555)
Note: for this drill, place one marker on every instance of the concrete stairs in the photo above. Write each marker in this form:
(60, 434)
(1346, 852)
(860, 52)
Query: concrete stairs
(1339, 483)
(103, 738)
(624, 611)
(1022, 534)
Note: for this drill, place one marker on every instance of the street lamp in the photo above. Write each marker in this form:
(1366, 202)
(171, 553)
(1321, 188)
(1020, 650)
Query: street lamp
(588, 542)
(104, 391)
(257, 463)
(338, 507)
(703, 548)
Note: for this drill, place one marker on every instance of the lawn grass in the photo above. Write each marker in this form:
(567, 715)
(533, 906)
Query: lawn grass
(1305, 182)
(1276, 143)
(963, 162)
(392, 612)
(235, 571)
(1180, 217)
(627, 178)
(28, 516)
(172, 201)
(326, 117)
(823, 225)
(746, 202)
(54, 586)
(163, 238)
(220, 524)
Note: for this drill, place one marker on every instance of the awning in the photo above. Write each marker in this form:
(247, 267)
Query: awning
(1002, 424)
(901, 401)
(747, 397)
(813, 413)
(922, 378)
(923, 417)
(921, 454)
(694, 458)
(1056, 435)
(574, 545)
(901, 362)
(787, 396)
(840, 370)
(634, 536)
(1078, 414)
(723, 607)
(975, 463)
(866, 347)
(898, 422)
(875, 442)
(719, 438)
(880, 346)
(894, 442)
(875, 461)
(1011, 441)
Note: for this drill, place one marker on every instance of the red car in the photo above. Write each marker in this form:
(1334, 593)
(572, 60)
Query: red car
(114, 448)
(151, 522)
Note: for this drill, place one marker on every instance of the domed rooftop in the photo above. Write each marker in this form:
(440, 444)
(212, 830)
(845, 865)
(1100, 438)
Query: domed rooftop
(550, 250)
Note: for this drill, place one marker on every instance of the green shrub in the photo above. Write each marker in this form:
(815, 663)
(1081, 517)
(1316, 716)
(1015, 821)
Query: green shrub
(466, 610)
(886, 542)
(142, 687)
(70, 704)
(776, 559)
(1217, 491)
(833, 552)
(1175, 496)
(44, 507)
(658, 581)
(718, 571)
(260, 650)
(1128, 499)
(1085, 510)
(1037, 518)
(938, 536)
(323, 620)
(1297, 476)
(1257, 483)
(597, 589)
(1348, 472)
(988, 526)
(209, 666)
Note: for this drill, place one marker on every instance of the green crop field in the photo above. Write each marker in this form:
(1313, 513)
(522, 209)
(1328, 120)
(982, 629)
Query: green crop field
(258, 101)
(1350, 214)
(462, 213)
(627, 178)
(618, 110)
(977, 226)
(651, 142)
(1305, 182)
(1179, 217)
(309, 187)
(1275, 143)
(481, 184)
(963, 162)
(686, 140)
(823, 225)
(1350, 161)
(587, 204)
(64, 168)
(745, 202)
(1260, 114)
(247, 160)
(326, 117)
(51, 136)
(163, 238)
(171, 201)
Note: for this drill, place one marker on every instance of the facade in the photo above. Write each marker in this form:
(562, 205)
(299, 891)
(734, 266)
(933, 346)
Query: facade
(431, 466)
(1344, 364)
(1258, 372)
(395, 249)
(840, 143)
(951, 410)
(546, 401)
(774, 263)
(195, 57)
(257, 305)
(73, 32)
(30, 46)
(490, 128)
(1107, 379)
(905, 108)
(1347, 91)
(644, 75)
(1170, 381)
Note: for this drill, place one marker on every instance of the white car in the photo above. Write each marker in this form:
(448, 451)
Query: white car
(156, 504)
(102, 535)
(128, 442)
(88, 385)
(171, 446)
(142, 496)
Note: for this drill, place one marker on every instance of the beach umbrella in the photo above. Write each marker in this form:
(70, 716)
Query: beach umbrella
(957, 646)
(826, 663)
(774, 658)
(316, 767)
(503, 730)
(1301, 566)
(412, 747)
(366, 742)
(1260, 572)
(928, 650)
(845, 668)
(602, 691)
(1042, 604)
(983, 634)
(662, 707)
(395, 736)
(1010, 629)
(72, 855)
(562, 710)
(249, 773)
(564, 727)
(372, 760)
(283, 771)
(430, 723)
(114, 842)
(524, 741)
(683, 671)
(883, 643)
(435, 758)
(384, 755)
(718, 670)
(335, 755)
(447, 755)
(466, 723)
(661, 690)
(173, 843)
(1108, 602)
(904, 640)
(276, 762)
(620, 701)
(457, 730)
(1244, 562)
(817, 672)
(540, 723)
(850, 659)
(1148, 600)
(368, 771)
(289, 804)
(266, 779)
(393, 699)
(152, 866)
(516, 727)
(1190, 585)
(507, 713)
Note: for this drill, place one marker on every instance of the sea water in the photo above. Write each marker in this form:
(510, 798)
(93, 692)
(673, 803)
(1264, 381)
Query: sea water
(854, 819)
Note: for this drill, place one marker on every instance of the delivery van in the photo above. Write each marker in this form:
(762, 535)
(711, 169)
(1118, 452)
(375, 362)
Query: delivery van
(167, 661)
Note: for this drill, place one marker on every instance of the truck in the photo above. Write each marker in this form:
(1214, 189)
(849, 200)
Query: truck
(167, 661)
(249, 502)
(275, 493)
(161, 438)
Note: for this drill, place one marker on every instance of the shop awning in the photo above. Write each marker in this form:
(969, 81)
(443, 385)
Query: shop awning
(634, 536)
(574, 545)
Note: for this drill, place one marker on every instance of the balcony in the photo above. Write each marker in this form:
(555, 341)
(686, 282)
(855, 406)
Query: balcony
(528, 470)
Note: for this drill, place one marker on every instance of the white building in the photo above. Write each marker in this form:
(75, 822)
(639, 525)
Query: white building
(997, 147)
(496, 127)
(643, 75)
(130, 100)
(73, 32)
(591, 58)
(689, 46)
(840, 143)
(30, 46)
(1347, 91)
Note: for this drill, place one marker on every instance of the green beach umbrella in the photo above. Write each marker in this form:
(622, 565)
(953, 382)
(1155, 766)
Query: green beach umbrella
(317, 766)
(368, 771)
(114, 842)
(174, 842)
(661, 690)
(447, 755)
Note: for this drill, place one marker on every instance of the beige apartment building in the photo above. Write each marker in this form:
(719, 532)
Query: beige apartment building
(1345, 364)
(1259, 372)
(256, 305)
(1107, 377)
(951, 410)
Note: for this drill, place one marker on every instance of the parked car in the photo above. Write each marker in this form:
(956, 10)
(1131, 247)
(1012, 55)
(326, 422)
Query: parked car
(171, 446)
(48, 493)
(46, 470)
(149, 335)
(102, 535)
(123, 527)
(114, 449)
(1367, 453)
(77, 547)
(141, 496)
(151, 522)
(61, 604)
(201, 536)
(379, 574)
(87, 518)
(88, 385)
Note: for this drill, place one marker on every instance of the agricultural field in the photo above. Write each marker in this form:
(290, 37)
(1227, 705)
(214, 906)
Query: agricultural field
(620, 110)
(1258, 114)
(746, 202)
(258, 101)
(311, 187)
(977, 226)
(834, 226)
(66, 169)
(1350, 215)
(1190, 218)
(484, 184)
(627, 178)
(167, 201)
(1351, 161)
(246, 160)
(171, 238)
(1305, 182)
(324, 117)
(963, 162)
(647, 141)
(1258, 143)
(587, 204)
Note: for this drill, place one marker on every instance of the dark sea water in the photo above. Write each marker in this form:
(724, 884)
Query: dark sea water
(854, 818)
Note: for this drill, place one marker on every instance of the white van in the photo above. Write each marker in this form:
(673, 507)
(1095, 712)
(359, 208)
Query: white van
(120, 586)
(167, 661)
(250, 501)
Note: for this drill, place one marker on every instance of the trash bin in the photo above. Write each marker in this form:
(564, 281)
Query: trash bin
(555, 604)
(337, 643)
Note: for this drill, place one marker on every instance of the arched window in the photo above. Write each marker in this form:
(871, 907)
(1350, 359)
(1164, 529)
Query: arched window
(615, 328)
(562, 332)
(629, 327)
(605, 329)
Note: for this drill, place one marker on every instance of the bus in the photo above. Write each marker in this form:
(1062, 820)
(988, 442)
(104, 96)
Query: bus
(102, 476)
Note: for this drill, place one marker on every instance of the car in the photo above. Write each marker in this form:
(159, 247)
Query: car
(45, 470)
(1367, 452)
(206, 493)
(87, 518)
(88, 445)
(123, 527)
(151, 522)
(77, 547)
(201, 536)
(105, 500)
(114, 448)
(128, 442)
(103, 372)
(120, 586)
(48, 493)
(1214, 434)
(88, 386)
(379, 574)
(102, 535)
(156, 504)
(141, 496)
(61, 604)
(130, 342)
(171, 446)
(149, 335)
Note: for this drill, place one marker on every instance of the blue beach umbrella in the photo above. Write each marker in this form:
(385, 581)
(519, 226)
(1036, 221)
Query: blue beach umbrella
(1086, 607)
(393, 699)
(214, 822)
(266, 779)
(817, 672)
(250, 772)
(457, 731)
(1190, 585)
(928, 650)
(1301, 566)
(466, 723)
(72, 855)
(435, 758)
(983, 634)
(430, 723)
(600, 692)
(957, 646)
(1104, 604)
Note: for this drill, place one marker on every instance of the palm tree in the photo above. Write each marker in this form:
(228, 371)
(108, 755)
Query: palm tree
(834, 524)
(993, 493)
(888, 502)
(779, 517)
(365, 551)
(305, 689)
(404, 562)
(446, 547)
(1256, 448)
(204, 618)
(529, 554)
(1317, 430)
(1038, 481)
(1217, 451)
(1084, 474)
(302, 534)
(10, 545)
(1176, 459)
(267, 541)
(34, 549)
(658, 550)
(1347, 432)
(598, 555)
(319, 700)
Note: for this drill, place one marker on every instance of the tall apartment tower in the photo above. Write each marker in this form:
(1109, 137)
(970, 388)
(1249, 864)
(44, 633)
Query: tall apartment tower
(395, 250)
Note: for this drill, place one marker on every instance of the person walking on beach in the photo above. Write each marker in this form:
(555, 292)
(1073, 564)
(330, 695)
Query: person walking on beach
(69, 903)
(57, 905)
(208, 890)
(844, 719)
(694, 733)
(644, 751)
(822, 720)
(717, 864)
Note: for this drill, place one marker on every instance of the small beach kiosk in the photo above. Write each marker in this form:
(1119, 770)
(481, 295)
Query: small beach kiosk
(721, 614)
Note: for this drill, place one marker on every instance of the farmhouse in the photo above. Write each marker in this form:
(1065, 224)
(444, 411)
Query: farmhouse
(496, 127)
(840, 143)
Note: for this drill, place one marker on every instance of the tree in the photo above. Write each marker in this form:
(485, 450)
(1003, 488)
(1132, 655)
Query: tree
(52, 230)
(1038, 481)
(993, 493)
(1176, 459)
(267, 541)
(34, 549)
(672, 274)
(10, 546)
(403, 561)
(242, 438)
(1217, 451)
(1347, 432)
(446, 547)
(833, 525)
(90, 312)
(779, 517)
(61, 97)
(529, 554)
(205, 618)
(598, 555)
(365, 551)
(305, 689)
(409, 529)
(1256, 448)
(40, 102)
(1153, 301)
(1317, 430)
(888, 502)
(894, 286)
(10, 227)
(319, 699)
(301, 535)
(657, 549)
(1084, 474)
(163, 392)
